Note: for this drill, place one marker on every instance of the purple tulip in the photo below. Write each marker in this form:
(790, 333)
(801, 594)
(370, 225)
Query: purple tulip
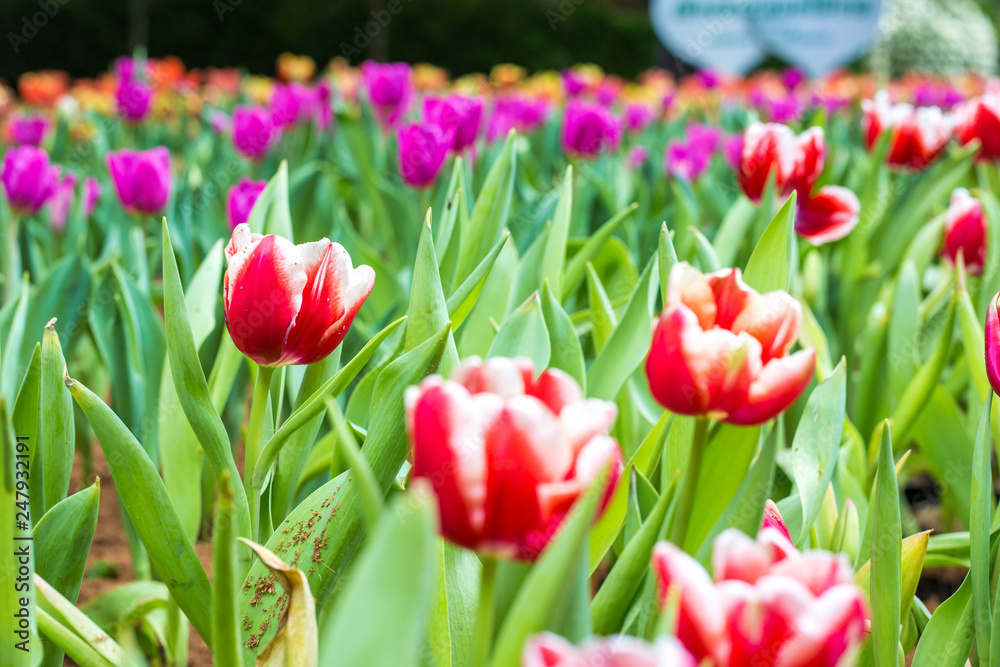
(460, 115)
(60, 201)
(242, 197)
(705, 138)
(28, 178)
(636, 157)
(589, 129)
(516, 112)
(29, 130)
(686, 160)
(91, 193)
(708, 78)
(142, 179)
(132, 99)
(127, 68)
(573, 83)
(786, 110)
(732, 151)
(638, 116)
(291, 104)
(324, 109)
(422, 151)
(793, 77)
(254, 132)
(389, 90)
(220, 121)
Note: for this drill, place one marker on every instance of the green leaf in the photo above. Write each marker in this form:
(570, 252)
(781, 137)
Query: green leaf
(71, 630)
(145, 499)
(666, 258)
(629, 342)
(602, 315)
(576, 266)
(387, 596)
(462, 300)
(489, 214)
(979, 532)
(524, 335)
(27, 411)
(270, 213)
(904, 330)
(10, 366)
(769, 267)
(428, 311)
(56, 426)
(125, 604)
(315, 404)
(554, 256)
(886, 551)
(733, 230)
(225, 575)
(453, 613)
(195, 399)
(816, 446)
(566, 351)
(947, 639)
(542, 602)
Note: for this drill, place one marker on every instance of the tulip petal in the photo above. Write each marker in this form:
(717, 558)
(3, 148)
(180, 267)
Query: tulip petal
(777, 386)
(830, 628)
(992, 335)
(774, 320)
(688, 286)
(829, 216)
(549, 650)
(731, 295)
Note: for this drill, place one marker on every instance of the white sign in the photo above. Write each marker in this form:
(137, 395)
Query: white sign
(735, 35)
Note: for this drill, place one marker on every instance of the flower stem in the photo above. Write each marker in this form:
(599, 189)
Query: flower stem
(686, 503)
(254, 431)
(484, 618)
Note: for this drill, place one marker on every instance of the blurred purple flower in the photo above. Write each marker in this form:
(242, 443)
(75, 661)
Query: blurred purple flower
(28, 178)
(636, 157)
(29, 130)
(590, 129)
(459, 115)
(638, 116)
(132, 99)
(254, 132)
(142, 179)
(241, 199)
(423, 148)
(389, 90)
(60, 201)
(91, 193)
(686, 160)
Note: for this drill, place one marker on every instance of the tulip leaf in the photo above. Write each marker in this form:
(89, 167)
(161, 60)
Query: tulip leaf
(225, 579)
(629, 341)
(574, 272)
(602, 315)
(666, 258)
(428, 311)
(947, 639)
(270, 213)
(125, 604)
(733, 230)
(62, 540)
(145, 499)
(524, 334)
(71, 630)
(914, 550)
(315, 405)
(489, 214)
(554, 256)
(195, 398)
(10, 358)
(979, 532)
(542, 601)
(611, 603)
(386, 596)
(769, 267)
(27, 412)
(904, 330)
(324, 531)
(886, 551)
(453, 610)
(815, 448)
(465, 296)
(566, 351)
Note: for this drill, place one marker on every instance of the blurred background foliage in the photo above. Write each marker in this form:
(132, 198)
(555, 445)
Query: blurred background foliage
(84, 36)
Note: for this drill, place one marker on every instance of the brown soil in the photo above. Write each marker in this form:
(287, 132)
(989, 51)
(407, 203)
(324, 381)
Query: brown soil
(110, 546)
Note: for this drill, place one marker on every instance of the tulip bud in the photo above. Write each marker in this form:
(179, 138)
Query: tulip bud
(589, 129)
(965, 231)
(457, 115)
(766, 149)
(291, 104)
(60, 201)
(132, 99)
(979, 118)
(507, 453)
(28, 178)
(91, 193)
(828, 216)
(638, 116)
(290, 304)
(389, 90)
(254, 132)
(720, 349)
(142, 179)
(29, 130)
(241, 199)
(422, 152)
(773, 519)
(993, 343)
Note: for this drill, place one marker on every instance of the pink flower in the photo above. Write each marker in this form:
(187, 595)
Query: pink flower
(291, 103)
(589, 129)
(132, 99)
(508, 453)
(549, 650)
(773, 519)
(721, 349)
(979, 118)
(241, 199)
(30, 130)
(423, 149)
(965, 231)
(91, 193)
(389, 90)
(290, 304)
(685, 160)
(638, 116)
(919, 135)
(60, 201)
(142, 179)
(28, 178)
(636, 157)
(460, 116)
(769, 604)
(254, 132)
(827, 216)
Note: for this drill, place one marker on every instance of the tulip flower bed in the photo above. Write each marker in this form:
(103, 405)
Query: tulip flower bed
(388, 369)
